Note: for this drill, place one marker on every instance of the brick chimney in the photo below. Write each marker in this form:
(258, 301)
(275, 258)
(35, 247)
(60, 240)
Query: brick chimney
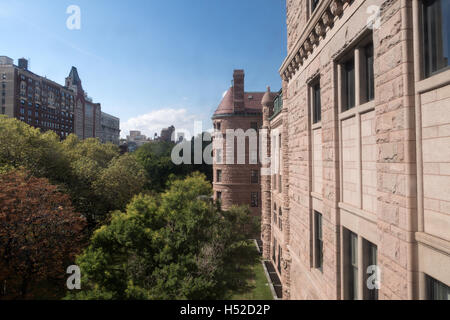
(238, 90)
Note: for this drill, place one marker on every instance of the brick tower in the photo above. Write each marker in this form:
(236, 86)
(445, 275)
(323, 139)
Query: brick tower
(237, 183)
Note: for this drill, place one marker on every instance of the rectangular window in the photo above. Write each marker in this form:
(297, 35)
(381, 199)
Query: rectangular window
(255, 177)
(352, 266)
(370, 81)
(370, 264)
(437, 290)
(319, 240)
(219, 176)
(436, 35)
(274, 250)
(280, 254)
(219, 196)
(255, 200)
(317, 107)
(348, 82)
(219, 158)
(280, 219)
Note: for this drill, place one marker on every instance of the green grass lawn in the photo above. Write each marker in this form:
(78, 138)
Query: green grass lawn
(253, 280)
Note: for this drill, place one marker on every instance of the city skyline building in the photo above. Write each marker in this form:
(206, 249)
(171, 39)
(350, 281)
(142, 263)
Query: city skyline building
(47, 105)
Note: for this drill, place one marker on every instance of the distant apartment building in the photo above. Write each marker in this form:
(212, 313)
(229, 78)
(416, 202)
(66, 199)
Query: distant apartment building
(110, 129)
(90, 121)
(36, 100)
(47, 105)
(166, 134)
(237, 183)
(136, 139)
(362, 134)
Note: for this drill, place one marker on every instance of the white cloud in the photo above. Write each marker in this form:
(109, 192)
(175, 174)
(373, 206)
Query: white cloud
(153, 122)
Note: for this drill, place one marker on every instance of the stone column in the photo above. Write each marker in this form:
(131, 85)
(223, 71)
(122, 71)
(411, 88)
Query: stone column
(266, 220)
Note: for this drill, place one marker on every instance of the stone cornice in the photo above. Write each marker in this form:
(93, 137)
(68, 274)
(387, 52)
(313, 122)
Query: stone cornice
(322, 18)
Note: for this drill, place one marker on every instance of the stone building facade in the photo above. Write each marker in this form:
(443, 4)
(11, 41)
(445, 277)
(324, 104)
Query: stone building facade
(47, 105)
(237, 174)
(363, 140)
(110, 132)
(36, 100)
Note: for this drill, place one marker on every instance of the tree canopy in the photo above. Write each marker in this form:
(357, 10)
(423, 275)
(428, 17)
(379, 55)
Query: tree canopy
(178, 245)
(40, 234)
(97, 178)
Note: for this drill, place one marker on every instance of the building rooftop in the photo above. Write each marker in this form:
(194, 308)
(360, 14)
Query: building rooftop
(236, 100)
(252, 102)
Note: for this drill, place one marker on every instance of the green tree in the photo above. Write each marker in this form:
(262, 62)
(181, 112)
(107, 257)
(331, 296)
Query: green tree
(95, 176)
(25, 147)
(120, 181)
(178, 245)
(156, 159)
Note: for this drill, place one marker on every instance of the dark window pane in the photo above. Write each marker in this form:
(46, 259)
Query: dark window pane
(255, 176)
(352, 265)
(317, 107)
(436, 35)
(219, 175)
(370, 84)
(254, 200)
(370, 259)
(314, 4)
(349, 84)
(319, 241)
(437, 290)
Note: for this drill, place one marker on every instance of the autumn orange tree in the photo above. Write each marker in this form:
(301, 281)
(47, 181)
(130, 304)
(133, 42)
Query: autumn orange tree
(40, 235)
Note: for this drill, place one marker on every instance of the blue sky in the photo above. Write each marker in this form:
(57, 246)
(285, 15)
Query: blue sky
(152, 63)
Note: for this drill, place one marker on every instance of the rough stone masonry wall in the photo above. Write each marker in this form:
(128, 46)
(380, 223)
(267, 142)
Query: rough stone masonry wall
(390, 126)
(296, 11)
(395, 134)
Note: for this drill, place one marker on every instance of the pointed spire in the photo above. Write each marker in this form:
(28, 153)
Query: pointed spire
(74, 76)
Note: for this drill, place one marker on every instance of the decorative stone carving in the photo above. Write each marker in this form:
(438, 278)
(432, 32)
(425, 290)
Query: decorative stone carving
(336, 7)
(327, 19)
(291, 69)
(302, 53)
(319, 29)
(298, 59)
(307, 45)
(313, 38)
